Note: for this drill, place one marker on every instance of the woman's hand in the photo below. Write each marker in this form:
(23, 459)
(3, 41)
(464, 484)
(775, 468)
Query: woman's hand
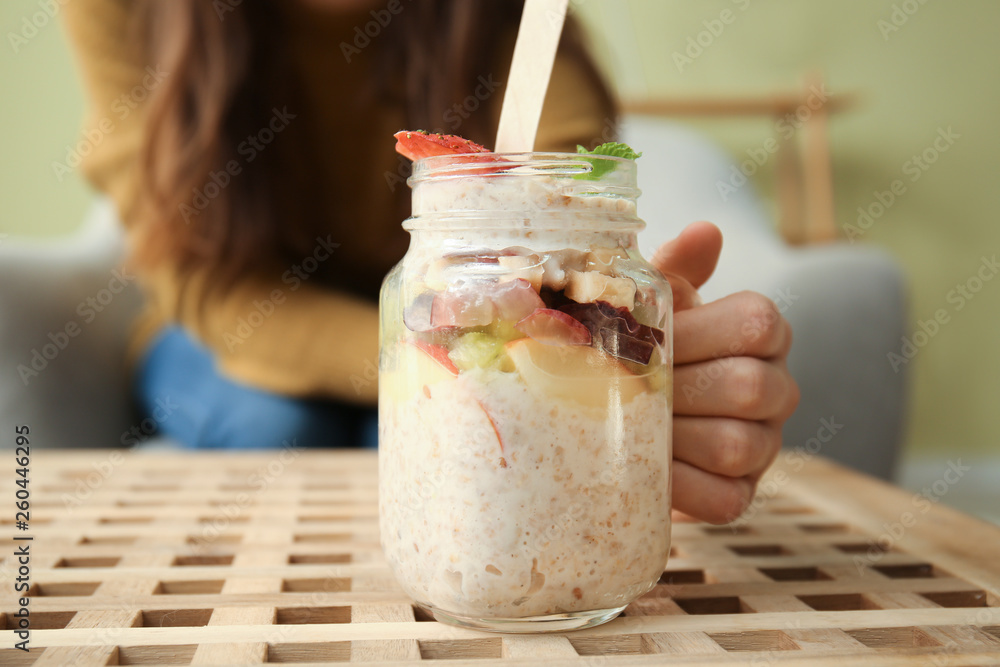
(732, 389)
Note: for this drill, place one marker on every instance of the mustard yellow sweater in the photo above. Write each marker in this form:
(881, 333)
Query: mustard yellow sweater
(277, 329)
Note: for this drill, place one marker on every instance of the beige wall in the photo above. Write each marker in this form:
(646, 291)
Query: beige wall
(39, 121)
(939, 70)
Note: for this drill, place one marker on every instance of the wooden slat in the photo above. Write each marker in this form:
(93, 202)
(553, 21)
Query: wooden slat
(540, 647)
(235, 653)
(774, 603)
(818, 176)
(59, 656)
(826, 640)
(383, 649)
(683, 643)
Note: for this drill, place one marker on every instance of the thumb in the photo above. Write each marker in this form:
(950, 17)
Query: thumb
(688, 261)
(691, 256)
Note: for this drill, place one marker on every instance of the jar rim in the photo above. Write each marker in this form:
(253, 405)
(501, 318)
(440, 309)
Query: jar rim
(451, 221)
(622, 171)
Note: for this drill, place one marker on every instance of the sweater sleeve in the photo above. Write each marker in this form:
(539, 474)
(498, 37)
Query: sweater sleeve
(273, 330)
(115, 84)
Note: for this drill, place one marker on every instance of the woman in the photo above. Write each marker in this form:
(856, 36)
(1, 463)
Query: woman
(255, 173)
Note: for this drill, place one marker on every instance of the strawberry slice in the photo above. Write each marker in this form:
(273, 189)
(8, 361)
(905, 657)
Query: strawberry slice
(438, 353)
(418, 144)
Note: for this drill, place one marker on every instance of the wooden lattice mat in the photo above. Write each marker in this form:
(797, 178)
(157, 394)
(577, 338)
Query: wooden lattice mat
(162, 558)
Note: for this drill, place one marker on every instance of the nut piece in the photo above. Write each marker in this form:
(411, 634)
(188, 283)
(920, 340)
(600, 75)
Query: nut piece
(526, 267)
(603, 259)
(558, 263)
(591, 286)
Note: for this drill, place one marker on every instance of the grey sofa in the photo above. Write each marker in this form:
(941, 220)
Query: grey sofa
(66, 307)
(846, 303)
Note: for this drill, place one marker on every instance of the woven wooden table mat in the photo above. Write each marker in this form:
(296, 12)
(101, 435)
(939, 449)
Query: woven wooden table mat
(142, 558)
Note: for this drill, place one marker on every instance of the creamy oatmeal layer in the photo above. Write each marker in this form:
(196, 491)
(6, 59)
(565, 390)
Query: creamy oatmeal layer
(570, 514)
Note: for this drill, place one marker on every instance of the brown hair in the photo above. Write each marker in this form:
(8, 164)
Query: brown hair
(228, 72)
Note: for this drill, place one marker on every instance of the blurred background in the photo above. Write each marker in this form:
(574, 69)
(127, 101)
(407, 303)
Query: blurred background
(916, 67)
(915, 72)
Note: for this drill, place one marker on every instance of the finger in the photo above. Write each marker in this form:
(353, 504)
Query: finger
(742, 324)
(710, 497)
(738, 387)
(680, 517)
(692, 255)
(729, 447)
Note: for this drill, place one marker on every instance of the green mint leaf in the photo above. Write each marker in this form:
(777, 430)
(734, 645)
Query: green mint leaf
(602, 167)
(612, 148)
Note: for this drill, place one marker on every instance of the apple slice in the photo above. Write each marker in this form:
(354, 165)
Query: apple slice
(584, 375)
(553, 327)
(438, 353)
(419, 366)
(479, 430)
(496, 430)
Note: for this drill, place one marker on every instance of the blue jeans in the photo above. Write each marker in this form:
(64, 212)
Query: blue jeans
(179, 388)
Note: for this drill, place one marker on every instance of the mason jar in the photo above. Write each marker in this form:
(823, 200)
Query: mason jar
(525, 394)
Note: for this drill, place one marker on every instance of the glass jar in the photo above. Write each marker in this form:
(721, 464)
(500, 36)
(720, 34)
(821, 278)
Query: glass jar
(525, 394)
